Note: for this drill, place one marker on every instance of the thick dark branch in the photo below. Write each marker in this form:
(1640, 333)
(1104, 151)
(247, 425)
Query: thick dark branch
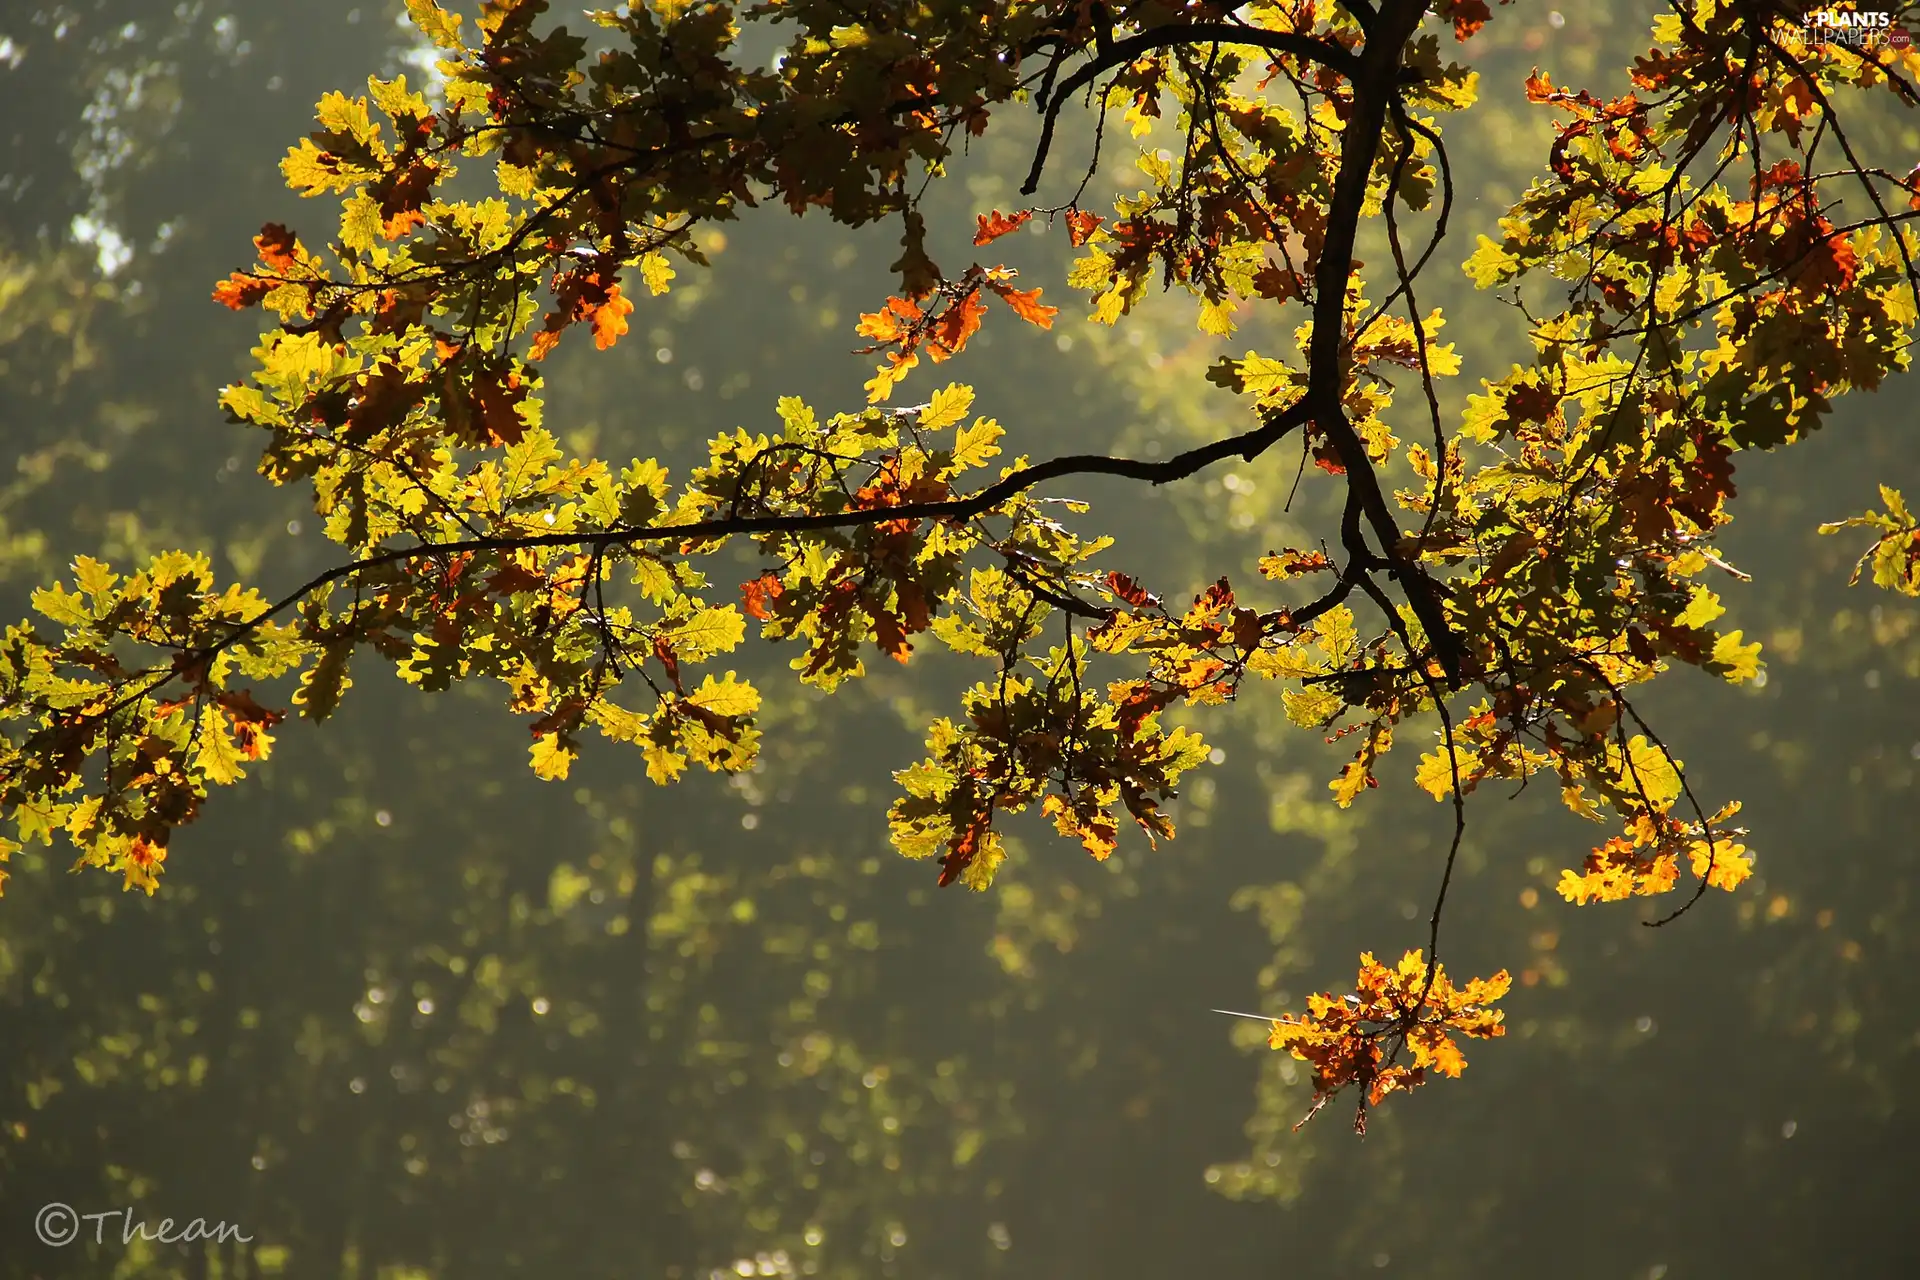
(1362, 13)
(1374, 86)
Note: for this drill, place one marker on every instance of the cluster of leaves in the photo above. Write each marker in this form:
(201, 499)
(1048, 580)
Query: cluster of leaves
(87, 710)
(1894, 556)
(942, 319)
(1619, 467)
(1707, 303)
(1356, 1040)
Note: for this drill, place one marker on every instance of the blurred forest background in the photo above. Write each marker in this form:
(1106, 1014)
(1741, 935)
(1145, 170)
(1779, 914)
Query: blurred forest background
(403, 1010)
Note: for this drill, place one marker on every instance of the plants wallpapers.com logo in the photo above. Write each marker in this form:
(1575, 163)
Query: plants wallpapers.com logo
(1855, 29)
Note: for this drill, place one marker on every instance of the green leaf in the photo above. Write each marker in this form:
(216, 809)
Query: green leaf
(1217, 317)
(1702, 608)
(976, 445)
(216, 755)
(435, 23)
(97, 579)
(1490, 264)
(1737, 662)
(322, 684)
(948, 406)
(1311, 708)
(707, 632)
(801, 424)
(553, 755)
(657, 273)
(726, 697)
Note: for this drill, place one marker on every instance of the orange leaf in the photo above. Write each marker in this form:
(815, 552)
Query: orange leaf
(240, 705)
(1281, 565)
(668, 658)
(560, 719)
(1276, 282)
(397, 309)
(1081, 226)
(385, 396)
(498, 416)
(1130, 591)
(1468, 16)
(1026, 304)
(1527, 403)
(610, 318)
(890, 633)
(402, 197)
(999, 224)
(914, 610)
(955, 325)
(401, 223)
(1830, 264)
(514, 578)
(240, 291)
(962, 848)
(762, 593)
(889, 324)
(1247, 631)
(277, 247)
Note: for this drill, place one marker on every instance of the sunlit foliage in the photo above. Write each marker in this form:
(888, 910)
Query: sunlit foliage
(1549, 552)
